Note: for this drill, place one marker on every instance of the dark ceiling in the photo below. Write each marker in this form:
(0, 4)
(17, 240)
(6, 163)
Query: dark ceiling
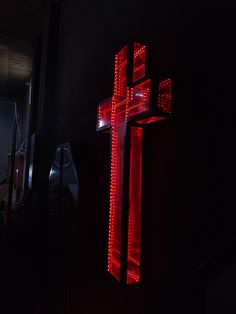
(22, 18)
(21, 21)
(16, 57)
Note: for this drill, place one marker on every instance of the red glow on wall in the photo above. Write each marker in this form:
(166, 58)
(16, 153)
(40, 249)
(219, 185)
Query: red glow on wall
(139, 61)
(135, 194)
(165, 95)
(150, 120)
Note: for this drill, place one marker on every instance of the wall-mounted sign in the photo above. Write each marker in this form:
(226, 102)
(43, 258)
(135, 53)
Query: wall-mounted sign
(138, 99)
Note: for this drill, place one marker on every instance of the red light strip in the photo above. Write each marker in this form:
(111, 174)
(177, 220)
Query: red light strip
(139, 62)
(165, 95)
(135, 195)
(118, 123)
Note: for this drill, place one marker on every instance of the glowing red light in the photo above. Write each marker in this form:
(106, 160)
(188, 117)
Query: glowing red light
(139, 98)
(118, 122)
(139, 62)
(127, 104)
(165, 95)
(104, 114)
(135, 194)
(150, 120)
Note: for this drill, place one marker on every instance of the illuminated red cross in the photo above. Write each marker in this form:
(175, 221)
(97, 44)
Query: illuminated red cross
(133, 104)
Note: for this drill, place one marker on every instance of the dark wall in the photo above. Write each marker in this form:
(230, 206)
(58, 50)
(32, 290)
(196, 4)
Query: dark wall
(188, 162)
(220, 292)
(6, 126)
(213, 129)
(89, 36)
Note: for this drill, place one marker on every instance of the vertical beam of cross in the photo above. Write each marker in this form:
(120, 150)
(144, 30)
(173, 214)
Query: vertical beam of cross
(135, 194)
(118, 129)
(126, 105)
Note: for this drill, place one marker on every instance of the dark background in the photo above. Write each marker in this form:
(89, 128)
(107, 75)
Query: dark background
(189, 161)
(88, 37)
(6, 122)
